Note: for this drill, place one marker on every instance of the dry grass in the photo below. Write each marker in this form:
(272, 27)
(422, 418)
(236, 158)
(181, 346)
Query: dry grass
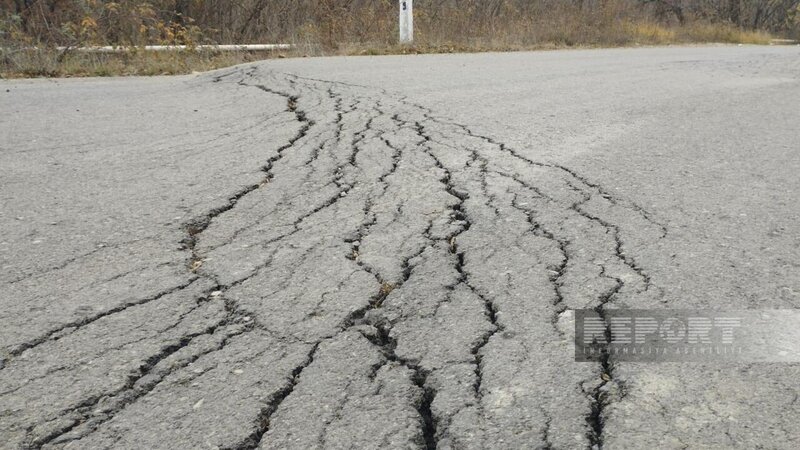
(654, 34)
(319, 28)
(562, 35)
(51, 63)
(700, 32)
(651, 33)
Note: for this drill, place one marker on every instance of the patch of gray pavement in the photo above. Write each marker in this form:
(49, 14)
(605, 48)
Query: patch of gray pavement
(385, 252)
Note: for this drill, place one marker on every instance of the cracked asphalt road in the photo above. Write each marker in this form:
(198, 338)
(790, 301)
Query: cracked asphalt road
(384, 252)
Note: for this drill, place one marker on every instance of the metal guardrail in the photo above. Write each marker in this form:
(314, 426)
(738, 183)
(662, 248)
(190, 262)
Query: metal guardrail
(783, 42)
(166, 48)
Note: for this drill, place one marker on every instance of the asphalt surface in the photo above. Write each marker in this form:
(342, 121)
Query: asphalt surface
(384, 252)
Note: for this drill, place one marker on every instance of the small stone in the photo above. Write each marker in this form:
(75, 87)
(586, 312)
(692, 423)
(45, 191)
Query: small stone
(238, 371)
(198, 404)
(216, 293)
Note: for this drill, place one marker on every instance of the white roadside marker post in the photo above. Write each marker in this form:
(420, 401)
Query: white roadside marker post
(406, 21)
